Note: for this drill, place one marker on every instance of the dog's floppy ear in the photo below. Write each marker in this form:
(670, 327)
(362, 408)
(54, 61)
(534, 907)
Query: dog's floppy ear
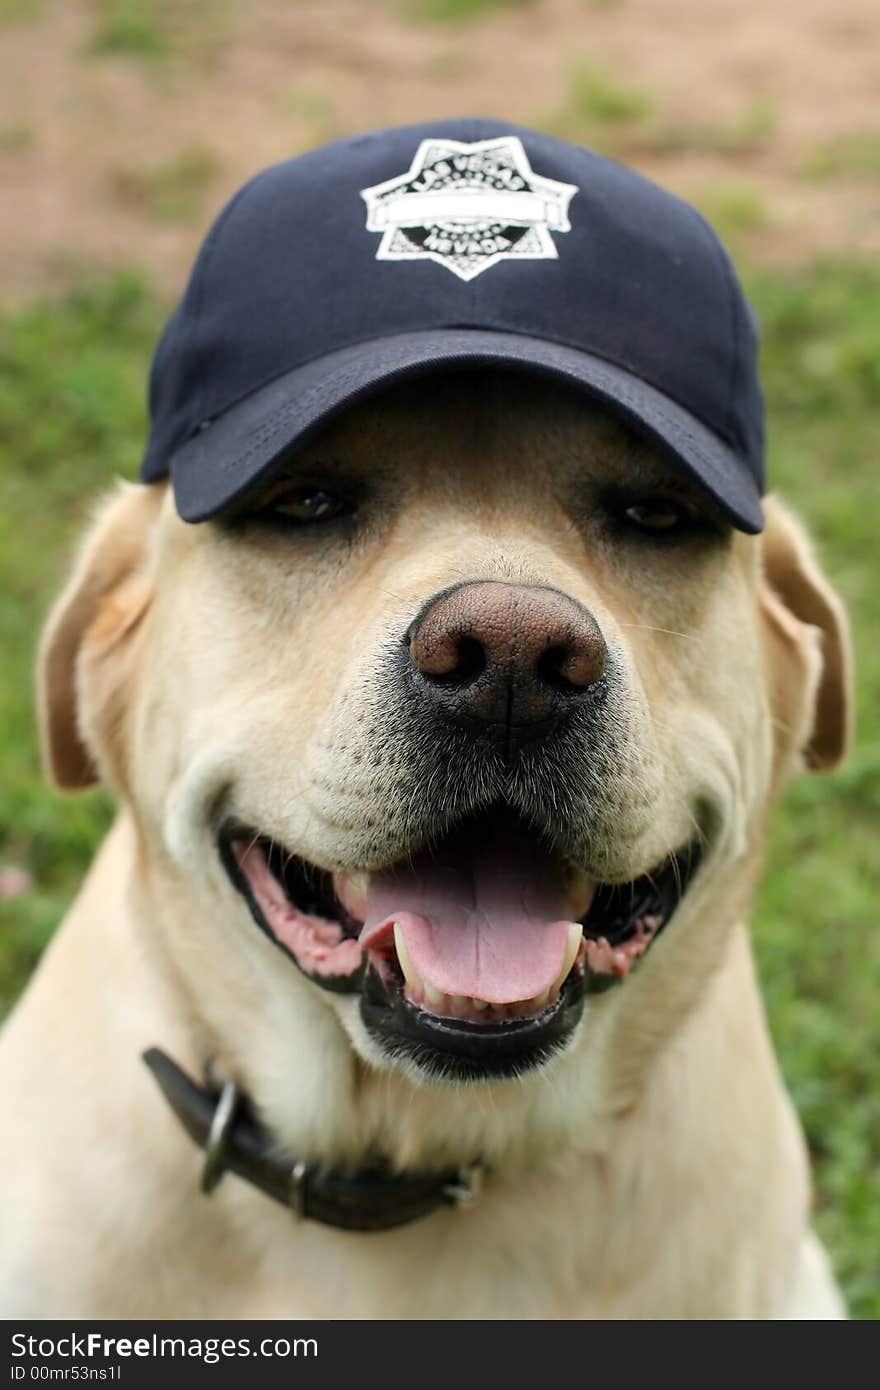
(810, 651)
(84, 639)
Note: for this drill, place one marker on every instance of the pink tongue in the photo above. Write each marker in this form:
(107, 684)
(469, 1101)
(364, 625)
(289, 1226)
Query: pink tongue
(489, 922)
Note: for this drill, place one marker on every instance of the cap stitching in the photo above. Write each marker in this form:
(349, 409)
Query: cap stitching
(275, 423)
(514, 328)
(696, 453)
(621, 395)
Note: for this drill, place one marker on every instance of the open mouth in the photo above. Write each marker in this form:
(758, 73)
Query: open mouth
(473, 956)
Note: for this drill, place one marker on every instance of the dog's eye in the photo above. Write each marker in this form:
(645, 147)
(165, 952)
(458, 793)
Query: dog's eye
(307, 505)
(658, 515)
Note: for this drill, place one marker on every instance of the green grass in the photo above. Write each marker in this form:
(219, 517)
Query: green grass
(596, 101)
(131, 29)
(751, 130)
(734, 209)
(153, 32)
(313, 106)
(459, 11)
(748, 133)
(626, 122)
(168, 192)
(17, 138)
(71, 418)
(816, 926)
(11, 10)
(850, 156)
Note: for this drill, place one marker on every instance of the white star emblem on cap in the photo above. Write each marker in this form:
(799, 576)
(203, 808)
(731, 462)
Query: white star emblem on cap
(468, 207)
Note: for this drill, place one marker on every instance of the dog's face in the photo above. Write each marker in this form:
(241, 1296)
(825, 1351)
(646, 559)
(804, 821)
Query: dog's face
(459, 736)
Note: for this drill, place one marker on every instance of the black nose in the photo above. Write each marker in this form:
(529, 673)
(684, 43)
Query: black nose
(513, 657)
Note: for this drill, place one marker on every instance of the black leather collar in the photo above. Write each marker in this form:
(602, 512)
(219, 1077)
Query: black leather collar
(369, 1199)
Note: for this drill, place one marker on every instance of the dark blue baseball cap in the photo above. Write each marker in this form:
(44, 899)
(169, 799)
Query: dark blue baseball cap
(456, 244)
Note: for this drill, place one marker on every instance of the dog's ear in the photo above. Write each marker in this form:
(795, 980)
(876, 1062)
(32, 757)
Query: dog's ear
(82, 656)
(810, 653)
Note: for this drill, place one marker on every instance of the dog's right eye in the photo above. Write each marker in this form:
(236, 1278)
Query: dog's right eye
(306, 506)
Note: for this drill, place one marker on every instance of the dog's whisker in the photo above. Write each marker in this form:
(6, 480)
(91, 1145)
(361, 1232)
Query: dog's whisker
(676, 869)
(669, 631)
(252, 844)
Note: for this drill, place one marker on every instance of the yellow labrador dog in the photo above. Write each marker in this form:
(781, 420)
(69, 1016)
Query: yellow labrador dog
(445, 746)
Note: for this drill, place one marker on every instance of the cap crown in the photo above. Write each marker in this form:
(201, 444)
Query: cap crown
(302, 262)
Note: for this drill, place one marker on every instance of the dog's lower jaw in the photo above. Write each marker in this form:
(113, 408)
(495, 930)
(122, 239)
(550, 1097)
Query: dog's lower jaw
(352, 1101)
(302, 1056)
(263, 1018)
(510, 935)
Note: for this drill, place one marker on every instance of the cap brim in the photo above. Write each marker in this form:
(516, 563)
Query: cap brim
(239, 449)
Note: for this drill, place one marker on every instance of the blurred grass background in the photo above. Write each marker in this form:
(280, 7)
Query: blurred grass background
(84, 298)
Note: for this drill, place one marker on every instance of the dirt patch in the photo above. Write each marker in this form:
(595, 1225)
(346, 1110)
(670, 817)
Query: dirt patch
(116, 147)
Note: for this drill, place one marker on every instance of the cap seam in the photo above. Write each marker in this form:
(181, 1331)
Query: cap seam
(722, 257)
(199, 286)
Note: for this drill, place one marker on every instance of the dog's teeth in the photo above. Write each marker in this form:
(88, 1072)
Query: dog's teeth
(543, 999)
(478, 1003)
(410, 973)
(434, 996)
(575, 936)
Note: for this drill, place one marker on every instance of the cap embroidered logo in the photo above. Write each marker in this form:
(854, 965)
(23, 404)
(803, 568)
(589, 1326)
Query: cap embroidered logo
(468, 206)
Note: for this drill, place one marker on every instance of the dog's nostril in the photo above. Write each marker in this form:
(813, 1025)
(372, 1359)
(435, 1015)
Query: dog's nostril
(447, 657)
(469, 662)
(570, 667)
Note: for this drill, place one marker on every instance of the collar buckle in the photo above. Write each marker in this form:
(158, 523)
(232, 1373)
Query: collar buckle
(467, 1188)
(299, 1180)
(218, 1137)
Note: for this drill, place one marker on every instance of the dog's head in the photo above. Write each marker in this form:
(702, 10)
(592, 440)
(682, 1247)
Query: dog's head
(457, 740)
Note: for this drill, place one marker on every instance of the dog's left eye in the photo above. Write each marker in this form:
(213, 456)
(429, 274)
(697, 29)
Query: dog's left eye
(658, 515)
(308, 505)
